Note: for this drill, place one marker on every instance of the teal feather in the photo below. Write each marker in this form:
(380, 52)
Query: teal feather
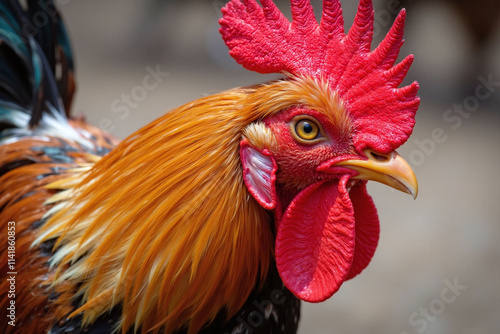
(28, 59)
(63, 40)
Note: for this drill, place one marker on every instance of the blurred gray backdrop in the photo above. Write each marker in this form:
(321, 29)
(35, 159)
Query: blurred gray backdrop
(437, 267)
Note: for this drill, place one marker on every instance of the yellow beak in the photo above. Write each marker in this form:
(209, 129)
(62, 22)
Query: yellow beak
(389, 169)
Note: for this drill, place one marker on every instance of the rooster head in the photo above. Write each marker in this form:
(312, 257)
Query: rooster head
(332, 124)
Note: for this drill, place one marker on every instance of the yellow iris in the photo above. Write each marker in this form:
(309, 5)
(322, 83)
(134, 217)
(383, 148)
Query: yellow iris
(307, 129)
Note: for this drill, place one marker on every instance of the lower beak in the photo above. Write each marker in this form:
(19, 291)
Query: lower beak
(389, 169)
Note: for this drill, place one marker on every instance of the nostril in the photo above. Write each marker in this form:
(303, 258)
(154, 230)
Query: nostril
(379, 157)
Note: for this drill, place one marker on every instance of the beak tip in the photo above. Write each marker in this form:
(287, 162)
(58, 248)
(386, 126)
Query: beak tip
(413, 189)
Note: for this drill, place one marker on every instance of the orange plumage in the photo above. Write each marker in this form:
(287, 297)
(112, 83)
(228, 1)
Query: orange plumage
(164, 208)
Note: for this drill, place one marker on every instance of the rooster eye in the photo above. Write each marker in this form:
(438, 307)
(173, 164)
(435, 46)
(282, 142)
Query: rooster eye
(306, 129)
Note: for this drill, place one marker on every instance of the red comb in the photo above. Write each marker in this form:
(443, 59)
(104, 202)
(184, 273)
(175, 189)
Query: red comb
(262, 39)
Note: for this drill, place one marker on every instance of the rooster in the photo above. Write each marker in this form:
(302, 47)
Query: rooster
(221, 215)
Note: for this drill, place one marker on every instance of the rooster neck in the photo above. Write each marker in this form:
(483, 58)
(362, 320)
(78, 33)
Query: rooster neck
(164, 224)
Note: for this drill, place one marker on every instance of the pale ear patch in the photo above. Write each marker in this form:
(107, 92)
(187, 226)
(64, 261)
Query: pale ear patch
(260, 136)
(259, 174)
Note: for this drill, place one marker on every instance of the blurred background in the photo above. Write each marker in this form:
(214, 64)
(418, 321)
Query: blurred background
(437, 267)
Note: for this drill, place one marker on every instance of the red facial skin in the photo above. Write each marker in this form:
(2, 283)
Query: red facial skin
(298, 162)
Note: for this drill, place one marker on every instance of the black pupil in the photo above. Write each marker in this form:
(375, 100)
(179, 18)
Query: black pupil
(307, 128)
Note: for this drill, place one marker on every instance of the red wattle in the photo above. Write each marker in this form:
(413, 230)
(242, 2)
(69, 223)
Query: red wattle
(315, 241)
(367, 228)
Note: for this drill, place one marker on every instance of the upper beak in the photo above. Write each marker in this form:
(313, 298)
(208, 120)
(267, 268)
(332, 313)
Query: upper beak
(390, 169)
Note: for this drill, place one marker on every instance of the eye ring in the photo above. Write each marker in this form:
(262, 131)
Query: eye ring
(306, 130)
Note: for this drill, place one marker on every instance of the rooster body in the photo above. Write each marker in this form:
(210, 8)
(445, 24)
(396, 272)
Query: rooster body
(220, 216)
